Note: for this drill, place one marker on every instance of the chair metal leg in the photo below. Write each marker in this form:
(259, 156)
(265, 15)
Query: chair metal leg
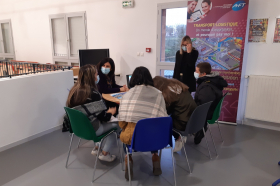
(207, 143)
(79, 143)
(220, 131)
(128, 164)
(160, 152)
(122, 156)
(174, 172)
(118, 147)
(72, 135)
(212, 139)
(96, 160)
(186, 154)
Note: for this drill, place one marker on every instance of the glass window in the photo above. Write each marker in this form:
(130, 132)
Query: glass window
(76, 35)
(173, 29)
(167, 73)
(59, 37)
(6, 37)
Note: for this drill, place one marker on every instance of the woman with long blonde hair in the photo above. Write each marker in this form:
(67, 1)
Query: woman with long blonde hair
(84, 96)
(185, 61)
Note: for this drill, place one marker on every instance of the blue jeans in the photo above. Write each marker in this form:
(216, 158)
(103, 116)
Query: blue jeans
(105, 127)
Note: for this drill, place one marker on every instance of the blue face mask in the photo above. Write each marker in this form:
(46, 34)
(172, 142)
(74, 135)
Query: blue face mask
(105, 70)
(184, 48)
(97, 80)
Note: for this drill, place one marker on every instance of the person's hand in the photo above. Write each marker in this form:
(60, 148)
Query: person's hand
(189, 48)
(112, 110)
(126, 88)
(122, 89)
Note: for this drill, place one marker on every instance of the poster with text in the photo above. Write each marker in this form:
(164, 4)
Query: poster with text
(276, 38)
(218, 29)
(258, 30)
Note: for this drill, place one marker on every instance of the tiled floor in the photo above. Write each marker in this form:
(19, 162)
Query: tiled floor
(248, 157)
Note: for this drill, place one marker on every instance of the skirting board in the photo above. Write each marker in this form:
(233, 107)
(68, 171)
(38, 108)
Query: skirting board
(262, 124)
(30, 138)
(227, 123)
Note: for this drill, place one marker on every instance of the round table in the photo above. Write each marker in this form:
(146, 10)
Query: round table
(110, 98)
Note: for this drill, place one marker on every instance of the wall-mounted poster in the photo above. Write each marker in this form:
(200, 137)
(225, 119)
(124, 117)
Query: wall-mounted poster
(258, 30)
(277, 31)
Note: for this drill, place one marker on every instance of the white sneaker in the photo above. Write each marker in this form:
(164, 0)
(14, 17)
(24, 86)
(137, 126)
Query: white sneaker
(108, 158)
(95, 149)
(178, 146)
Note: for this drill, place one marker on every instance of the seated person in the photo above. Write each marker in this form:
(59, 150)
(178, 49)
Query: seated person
(209, 88)
(179, 104)
(131, 111)
(107, 83)
(85, 93)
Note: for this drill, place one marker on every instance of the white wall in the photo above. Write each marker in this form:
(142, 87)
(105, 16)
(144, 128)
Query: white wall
(260, 58)
(31, 105)
(125, 32)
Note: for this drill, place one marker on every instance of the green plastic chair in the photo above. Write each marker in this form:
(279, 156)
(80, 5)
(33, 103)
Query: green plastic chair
(82, 128)
(216, 115)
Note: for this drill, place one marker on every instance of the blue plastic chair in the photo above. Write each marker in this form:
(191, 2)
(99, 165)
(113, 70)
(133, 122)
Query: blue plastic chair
(278, 181)
(151, 135)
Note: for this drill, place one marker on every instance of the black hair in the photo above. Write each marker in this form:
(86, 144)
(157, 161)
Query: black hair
(102, 62)
(204, 67)
(206, 1)
(141, 76)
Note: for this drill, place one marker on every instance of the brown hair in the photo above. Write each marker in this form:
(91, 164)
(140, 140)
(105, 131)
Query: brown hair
(188, 39)
(204, 67)
(206, 1)
(170, 89)
(82, 89)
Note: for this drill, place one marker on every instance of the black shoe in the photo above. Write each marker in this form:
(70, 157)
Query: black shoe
(198, 137)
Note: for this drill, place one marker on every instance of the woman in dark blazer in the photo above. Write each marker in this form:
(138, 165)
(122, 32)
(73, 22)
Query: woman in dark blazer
(107, 83)
(185, 61)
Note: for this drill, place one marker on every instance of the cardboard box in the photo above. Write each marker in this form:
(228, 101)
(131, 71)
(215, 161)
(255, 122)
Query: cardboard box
(75, 71)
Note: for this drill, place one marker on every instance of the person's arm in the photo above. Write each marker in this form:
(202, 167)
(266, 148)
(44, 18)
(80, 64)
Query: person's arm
(114, 84)
(176, 74)
(103, 87)
(204, 95)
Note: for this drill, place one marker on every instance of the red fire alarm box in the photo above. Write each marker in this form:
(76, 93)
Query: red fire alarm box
(148, 50)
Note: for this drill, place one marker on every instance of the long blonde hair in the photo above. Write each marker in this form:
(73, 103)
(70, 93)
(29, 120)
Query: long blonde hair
(82, 89)
(188, 39)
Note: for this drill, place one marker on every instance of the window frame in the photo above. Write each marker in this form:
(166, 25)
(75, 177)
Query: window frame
(12, 53)
(164, 65)
(68, 59)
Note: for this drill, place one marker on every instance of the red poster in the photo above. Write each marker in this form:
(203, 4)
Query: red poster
(218, 29)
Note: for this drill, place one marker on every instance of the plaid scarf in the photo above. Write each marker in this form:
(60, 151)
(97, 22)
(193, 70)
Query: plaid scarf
(142, 102)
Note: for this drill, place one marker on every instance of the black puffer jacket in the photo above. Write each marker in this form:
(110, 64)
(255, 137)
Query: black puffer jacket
(210, 88)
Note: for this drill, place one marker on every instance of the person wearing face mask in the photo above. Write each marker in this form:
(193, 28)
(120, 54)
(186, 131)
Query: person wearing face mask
(209, 88)
(107, 83)
(84, 96)
(205, 5)
(185, 61)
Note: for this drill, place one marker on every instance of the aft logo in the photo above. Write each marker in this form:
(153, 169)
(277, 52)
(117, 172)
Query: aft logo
(238, 5)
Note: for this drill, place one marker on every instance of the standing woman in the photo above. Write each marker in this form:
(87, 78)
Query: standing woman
(185, 64)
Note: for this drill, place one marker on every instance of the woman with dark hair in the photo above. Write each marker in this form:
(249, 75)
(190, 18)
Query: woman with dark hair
(185, 64)
(179, 104)
(107, 83)
(84, 96)
(142, 98)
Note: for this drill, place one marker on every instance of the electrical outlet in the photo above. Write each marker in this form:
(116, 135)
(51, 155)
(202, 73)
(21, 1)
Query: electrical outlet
(138, 53)
(142, 53)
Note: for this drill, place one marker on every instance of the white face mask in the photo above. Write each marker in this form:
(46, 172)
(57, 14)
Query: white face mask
(196, 75)
(184, 48)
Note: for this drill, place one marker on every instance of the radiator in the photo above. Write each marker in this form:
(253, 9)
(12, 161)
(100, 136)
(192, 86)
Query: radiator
(263, 99)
